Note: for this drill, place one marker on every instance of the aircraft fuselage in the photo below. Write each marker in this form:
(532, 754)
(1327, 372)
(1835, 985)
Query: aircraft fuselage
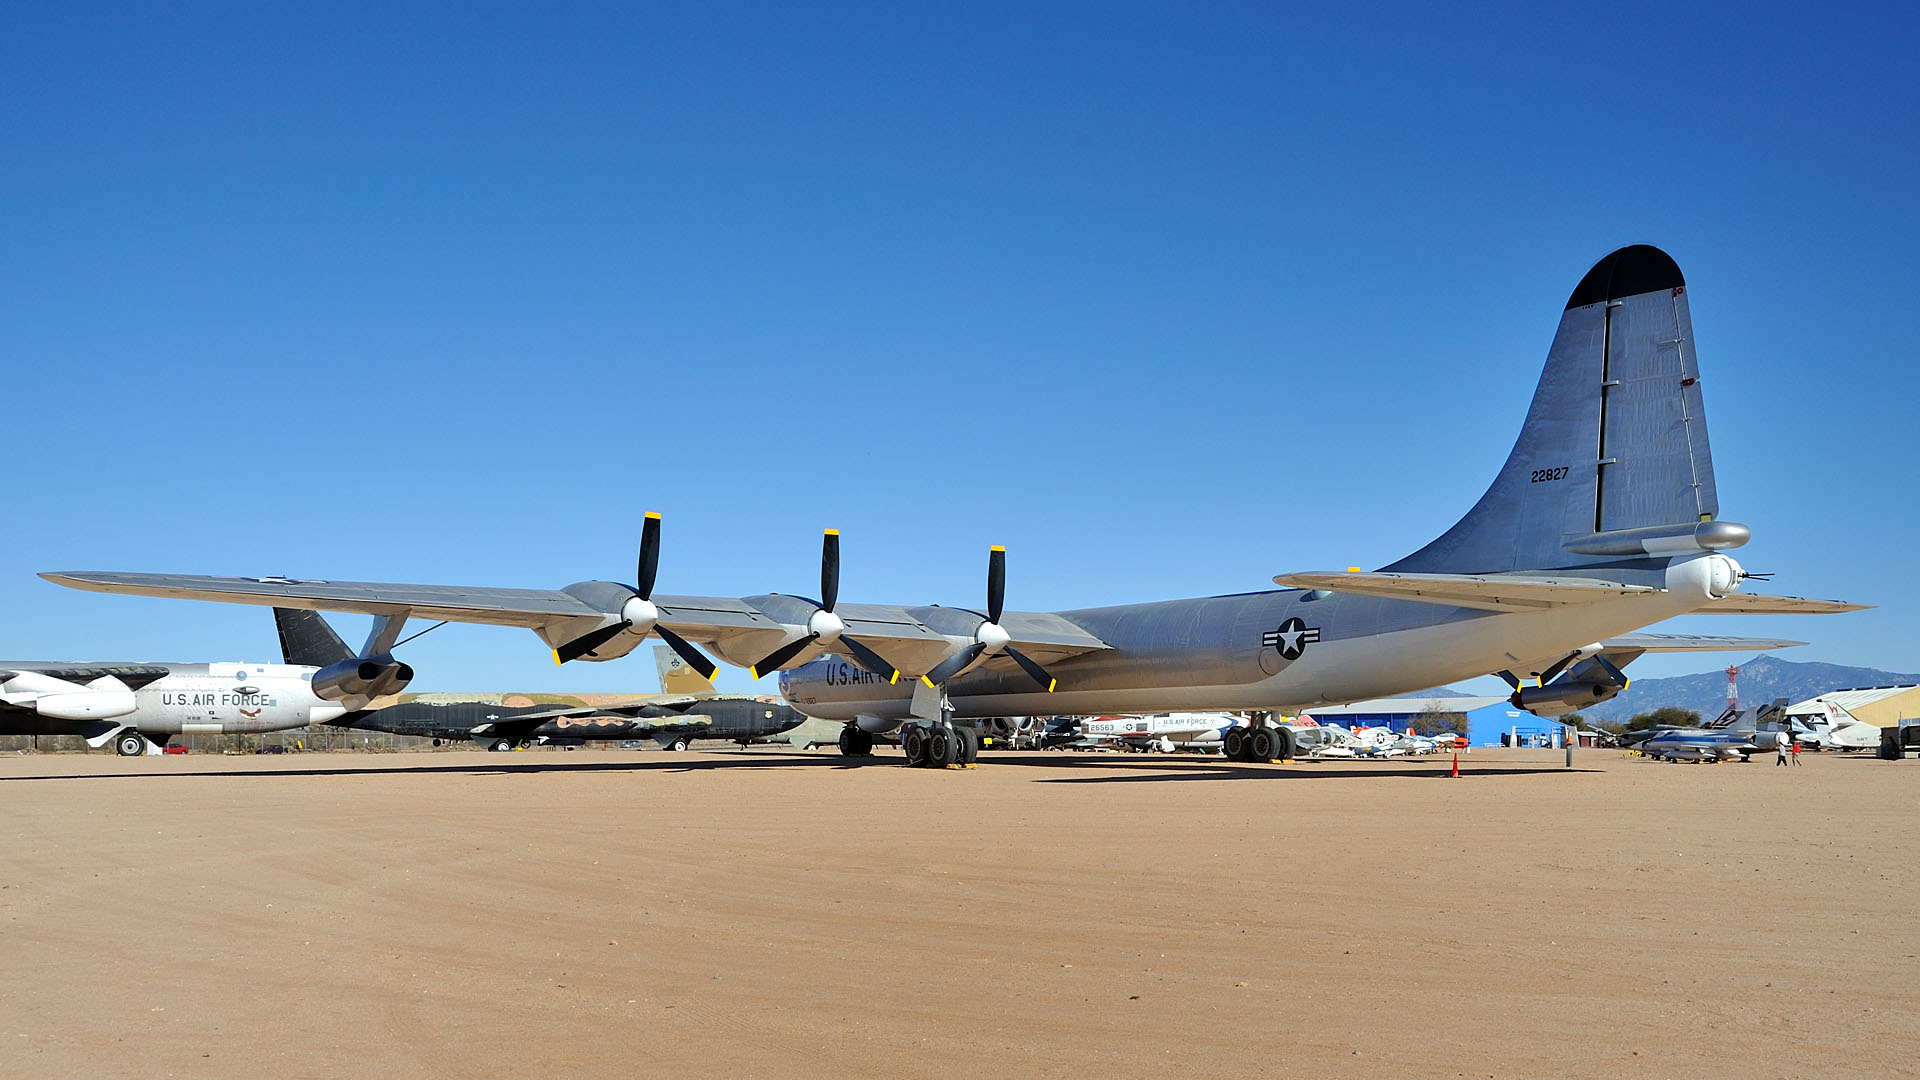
(223, 698)
(1275, 650)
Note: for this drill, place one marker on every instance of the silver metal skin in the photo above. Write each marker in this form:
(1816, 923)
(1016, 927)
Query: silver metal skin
(100, 700)
(1603, 520)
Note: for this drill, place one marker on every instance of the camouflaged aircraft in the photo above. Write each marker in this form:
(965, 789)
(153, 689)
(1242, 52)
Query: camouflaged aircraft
(689, 710)
(1604, 519)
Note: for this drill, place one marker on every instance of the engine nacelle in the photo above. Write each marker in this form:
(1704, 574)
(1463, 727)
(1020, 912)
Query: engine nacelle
(361, 677)
(86, 704)
(1562, 697)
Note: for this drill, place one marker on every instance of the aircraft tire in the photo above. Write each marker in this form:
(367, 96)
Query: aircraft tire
(130, 744)
(969, 745)
(500, 746)
(1234, 743)
(914, 741)
(1259, 745)
(943, 745)
(854, 742)
(680, 743)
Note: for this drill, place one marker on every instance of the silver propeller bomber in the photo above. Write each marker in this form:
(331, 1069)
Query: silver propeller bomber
(1604, 520)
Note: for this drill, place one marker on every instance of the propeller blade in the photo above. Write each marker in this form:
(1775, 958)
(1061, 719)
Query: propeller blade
(1620, 676)
(996, 582)
(695, 659)
(782, 654)
(952, 665)
(649, 556)
(586, 643)
(1509, 678)
(1033, 669)
(870, 660)
(829, 569)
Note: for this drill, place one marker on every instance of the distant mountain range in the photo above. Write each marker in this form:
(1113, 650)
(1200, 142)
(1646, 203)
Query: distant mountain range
(1761, 680)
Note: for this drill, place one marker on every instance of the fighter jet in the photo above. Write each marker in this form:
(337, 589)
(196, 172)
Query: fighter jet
(673, 720)
(1604, 519)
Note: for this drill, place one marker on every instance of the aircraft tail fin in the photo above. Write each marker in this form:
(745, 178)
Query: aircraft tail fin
(1613, 459)
(676, 677)
(306, 640)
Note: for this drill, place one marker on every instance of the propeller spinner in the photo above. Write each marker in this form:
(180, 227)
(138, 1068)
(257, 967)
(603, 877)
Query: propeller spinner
(824, 626)
(990, 638)
(639, 614)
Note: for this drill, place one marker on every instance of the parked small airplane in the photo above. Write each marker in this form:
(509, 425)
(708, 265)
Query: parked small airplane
(1604, 519)
(1828, 725)
(1698, 744)
(674, 720)
(1163, 732)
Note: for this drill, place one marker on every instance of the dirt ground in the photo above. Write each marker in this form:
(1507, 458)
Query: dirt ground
(775, 913)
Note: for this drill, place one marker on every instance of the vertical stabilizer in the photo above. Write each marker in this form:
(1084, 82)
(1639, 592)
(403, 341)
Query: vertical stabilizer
(306, 640)
(1613, 459)
(676, 677)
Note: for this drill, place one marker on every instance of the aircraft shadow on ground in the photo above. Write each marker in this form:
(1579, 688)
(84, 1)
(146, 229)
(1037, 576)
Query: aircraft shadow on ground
(1159, 770)
(486, 768)
(1110, 769)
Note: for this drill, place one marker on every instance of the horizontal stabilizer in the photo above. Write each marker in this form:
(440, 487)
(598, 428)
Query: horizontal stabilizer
(1647, 643)
(1742, 604)
(1488, 592)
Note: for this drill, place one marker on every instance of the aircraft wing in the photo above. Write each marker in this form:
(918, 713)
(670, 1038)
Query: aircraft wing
(914, 639)
(1746, 604)
(1647, 643)
(1488, 592)
(133, 676)
(498, 607)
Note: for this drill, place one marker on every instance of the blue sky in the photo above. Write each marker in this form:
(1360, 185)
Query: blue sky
(1166, 301)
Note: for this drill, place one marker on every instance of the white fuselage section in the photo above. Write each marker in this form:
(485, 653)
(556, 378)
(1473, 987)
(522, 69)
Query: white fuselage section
(225, 698)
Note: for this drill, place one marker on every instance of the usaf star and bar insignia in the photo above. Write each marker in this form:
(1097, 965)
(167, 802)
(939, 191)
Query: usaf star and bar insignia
(1292, 638)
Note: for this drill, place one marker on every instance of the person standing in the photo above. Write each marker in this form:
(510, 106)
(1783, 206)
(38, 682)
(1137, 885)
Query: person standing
(1780, 748)
(1795, 744)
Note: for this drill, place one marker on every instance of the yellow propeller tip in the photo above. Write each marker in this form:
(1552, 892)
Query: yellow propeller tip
(997, 547)
(654, 514)
(929, 683)
(556, 658)
(753, 671)
(833, 532)
(1051, 683)
(895, 681)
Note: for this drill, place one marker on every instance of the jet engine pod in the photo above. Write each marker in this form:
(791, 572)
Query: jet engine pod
(85, 704)
(361, 677)
(1565, 696)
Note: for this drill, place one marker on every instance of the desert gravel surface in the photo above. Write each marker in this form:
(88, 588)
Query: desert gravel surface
(775, 913)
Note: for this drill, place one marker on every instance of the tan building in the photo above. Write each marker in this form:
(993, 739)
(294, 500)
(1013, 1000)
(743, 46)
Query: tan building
(1881, 706)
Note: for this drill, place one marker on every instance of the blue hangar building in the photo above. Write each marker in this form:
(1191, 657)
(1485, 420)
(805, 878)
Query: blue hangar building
(1486, 720)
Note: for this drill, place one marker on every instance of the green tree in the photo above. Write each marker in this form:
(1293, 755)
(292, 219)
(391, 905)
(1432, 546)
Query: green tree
(1664, 716)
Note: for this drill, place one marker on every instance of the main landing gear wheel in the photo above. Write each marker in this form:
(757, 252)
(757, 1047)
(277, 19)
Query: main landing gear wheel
(969, 746)
(130, 744)
(854, 742)
(1234, 743)
(1261, 744)
(500, 746)
(680, 743)
(913, 740)
(943, 747)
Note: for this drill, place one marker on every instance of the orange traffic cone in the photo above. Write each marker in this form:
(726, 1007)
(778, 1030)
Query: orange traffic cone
(1456, 763)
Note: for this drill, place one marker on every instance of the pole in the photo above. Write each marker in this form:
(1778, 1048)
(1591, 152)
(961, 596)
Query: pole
(1569, 738)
